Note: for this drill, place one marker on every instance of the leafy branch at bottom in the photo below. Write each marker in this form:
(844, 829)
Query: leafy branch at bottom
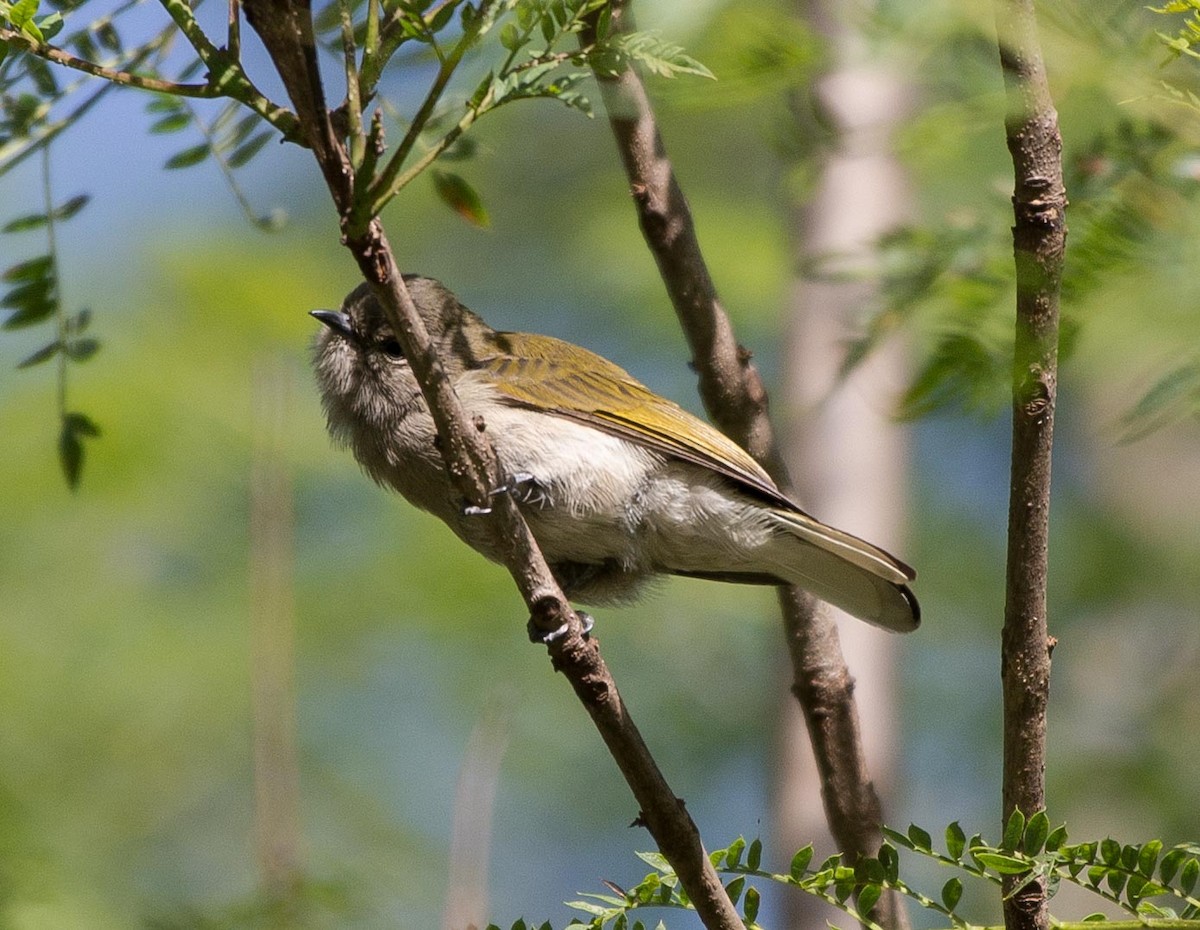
(1126, 876)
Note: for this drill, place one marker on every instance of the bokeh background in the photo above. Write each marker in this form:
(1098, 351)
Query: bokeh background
(127, 658)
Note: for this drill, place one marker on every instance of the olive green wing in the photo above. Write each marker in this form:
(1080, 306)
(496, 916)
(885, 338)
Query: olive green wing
(559, 377)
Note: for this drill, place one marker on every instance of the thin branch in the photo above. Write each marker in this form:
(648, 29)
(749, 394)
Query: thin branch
(233, 43)
(225, 72)
(389, 183)
(62, 57)
(735, 398)
(392, 35)
(358, 138)
(1039, 241)
(380, 200)
(370, 46)
(286, 29)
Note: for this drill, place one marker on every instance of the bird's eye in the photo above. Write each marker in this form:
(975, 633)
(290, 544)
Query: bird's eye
(391, 348)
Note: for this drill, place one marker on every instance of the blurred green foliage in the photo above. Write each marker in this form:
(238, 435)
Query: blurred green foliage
(126, 788)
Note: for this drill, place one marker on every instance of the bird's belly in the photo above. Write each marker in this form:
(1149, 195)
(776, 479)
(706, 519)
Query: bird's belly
(578, 505)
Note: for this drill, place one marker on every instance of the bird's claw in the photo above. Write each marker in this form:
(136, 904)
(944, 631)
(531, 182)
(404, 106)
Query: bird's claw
(538, 635)
(522, 485)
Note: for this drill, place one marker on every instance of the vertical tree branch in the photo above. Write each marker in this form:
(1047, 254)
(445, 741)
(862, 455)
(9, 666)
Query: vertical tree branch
(735, 398)
(285, 27)
(1039, 240)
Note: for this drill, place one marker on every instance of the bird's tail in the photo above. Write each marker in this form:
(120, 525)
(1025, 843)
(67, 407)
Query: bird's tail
(845, 571)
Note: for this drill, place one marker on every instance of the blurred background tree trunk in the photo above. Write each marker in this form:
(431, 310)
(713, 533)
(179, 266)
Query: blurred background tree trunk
(273, 643)
(849, 457)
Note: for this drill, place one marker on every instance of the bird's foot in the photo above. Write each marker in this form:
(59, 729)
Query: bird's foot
(524, 488)
(538, 635)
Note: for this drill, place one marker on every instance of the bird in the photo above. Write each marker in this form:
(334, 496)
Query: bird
(618, 484)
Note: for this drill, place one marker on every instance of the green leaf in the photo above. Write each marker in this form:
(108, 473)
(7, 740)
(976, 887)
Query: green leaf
(510, 37)
(1170, 864)
(1175, 396)
(29, 293)
(79, 322)
(754, 855)
(1187, 877)
(82, 424)
(461, 198)
(1148, 857)
(69, 208)
(920, 839)
(868, 898)
(80, 350)
(1036, 832)
(733, 855)
(247, 150)
(1147, 909)
(800, 862)
(43, 77)
(172, 122)
(1110, 851)
(869, 870)
(655, 860)
(656, 55)
(1013, 830)
(1056, 839)
(890, 860)
(898, 838)
(588, 908)
(1005, 865)
(51, 25)
(952, 893)
(21, 13)
(1135, 889)
(956, 841)
(441, 17)
(1116, 880)
(750, 905)
(70, 446)
(188, 157)
(30, 270)
(31, 313)
(22, 223)
(734, 889)
(44, 354)
(107, 33)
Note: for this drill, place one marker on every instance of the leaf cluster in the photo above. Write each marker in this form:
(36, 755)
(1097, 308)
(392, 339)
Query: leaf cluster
(952, 280)
(32, 294)
(1127, 876)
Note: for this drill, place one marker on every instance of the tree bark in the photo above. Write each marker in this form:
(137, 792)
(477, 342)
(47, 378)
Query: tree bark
(1039, 241)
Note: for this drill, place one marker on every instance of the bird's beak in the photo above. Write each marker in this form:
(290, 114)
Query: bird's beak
(336, 320)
